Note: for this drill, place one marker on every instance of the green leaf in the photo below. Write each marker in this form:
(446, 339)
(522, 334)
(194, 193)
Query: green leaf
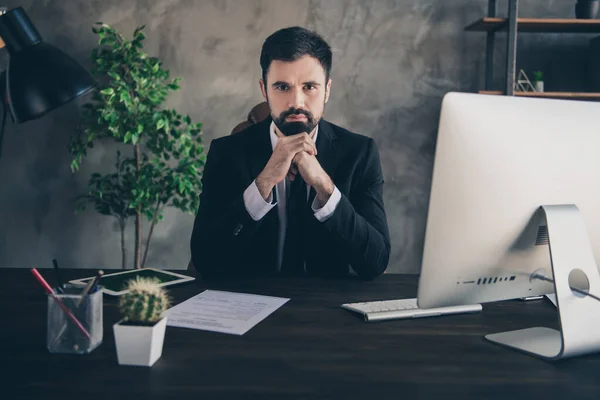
(160, 124)
(108, 91)
(125, 97)
(138, 30)
(114, 75)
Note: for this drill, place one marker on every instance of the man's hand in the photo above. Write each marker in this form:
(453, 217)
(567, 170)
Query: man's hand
(279, 164)
(313, 174)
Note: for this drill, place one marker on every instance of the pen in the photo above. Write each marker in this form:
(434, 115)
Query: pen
(60, 303)
(88, 288)
(97, 281)
(61, 285)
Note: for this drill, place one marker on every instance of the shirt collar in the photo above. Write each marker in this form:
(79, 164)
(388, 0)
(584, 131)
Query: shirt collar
(274, 137)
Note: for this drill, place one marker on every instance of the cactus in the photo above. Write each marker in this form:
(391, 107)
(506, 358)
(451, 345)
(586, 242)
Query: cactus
(144, 303)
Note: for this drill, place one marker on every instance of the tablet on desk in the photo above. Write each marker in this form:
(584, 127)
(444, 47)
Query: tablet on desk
(115, 284)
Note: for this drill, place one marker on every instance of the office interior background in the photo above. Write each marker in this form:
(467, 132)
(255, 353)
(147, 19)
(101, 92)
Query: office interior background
(393, 60)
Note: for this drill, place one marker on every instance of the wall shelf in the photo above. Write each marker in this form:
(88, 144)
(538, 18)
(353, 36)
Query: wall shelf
(537, 25)
(512, 26)
(555, 95)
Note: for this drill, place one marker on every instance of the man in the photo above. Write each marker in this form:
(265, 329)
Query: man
(294, 194)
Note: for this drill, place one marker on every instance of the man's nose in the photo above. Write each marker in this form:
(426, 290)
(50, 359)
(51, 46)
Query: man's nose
(297, 99)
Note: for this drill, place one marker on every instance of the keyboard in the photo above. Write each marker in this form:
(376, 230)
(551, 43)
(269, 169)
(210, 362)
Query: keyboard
(404, 308)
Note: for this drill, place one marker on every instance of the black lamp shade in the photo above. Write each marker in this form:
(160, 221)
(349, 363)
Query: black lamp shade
(39, 77)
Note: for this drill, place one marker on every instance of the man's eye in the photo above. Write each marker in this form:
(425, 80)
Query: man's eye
(282, 87)
(310, 87)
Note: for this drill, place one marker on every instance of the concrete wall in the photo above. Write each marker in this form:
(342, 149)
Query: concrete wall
(393, 62)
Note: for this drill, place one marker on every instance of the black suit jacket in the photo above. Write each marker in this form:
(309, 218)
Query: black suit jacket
(227, 241)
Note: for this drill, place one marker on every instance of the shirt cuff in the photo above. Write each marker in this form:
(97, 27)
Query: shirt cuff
(323, 213)
(256, 206)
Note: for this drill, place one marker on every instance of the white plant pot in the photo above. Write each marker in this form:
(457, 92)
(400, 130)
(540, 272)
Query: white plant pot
(539, 86)
(139, 345)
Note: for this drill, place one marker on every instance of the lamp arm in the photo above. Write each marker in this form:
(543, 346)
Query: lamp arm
(3, 11)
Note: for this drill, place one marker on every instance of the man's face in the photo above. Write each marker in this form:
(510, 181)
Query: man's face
(296, 93)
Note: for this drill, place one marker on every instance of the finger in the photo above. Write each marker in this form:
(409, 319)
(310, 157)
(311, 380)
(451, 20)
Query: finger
(291, 176)
(300, 142)
(303, 137)
(294, 169)
(306, 147)
(312, 145)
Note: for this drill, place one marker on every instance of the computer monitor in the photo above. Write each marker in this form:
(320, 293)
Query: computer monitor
(514, 204)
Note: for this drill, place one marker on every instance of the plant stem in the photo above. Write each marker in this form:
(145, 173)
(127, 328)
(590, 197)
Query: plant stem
(138, 214)
(123, 252)
(152, 228)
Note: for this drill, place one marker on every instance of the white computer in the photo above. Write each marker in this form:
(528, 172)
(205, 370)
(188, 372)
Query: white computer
(514, 211)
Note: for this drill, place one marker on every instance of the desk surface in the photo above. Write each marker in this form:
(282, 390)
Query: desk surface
(309, 348)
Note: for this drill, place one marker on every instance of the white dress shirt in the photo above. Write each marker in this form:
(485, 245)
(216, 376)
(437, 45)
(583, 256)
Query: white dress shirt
(257, 207)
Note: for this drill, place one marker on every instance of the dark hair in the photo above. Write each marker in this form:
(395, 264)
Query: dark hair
(290, 44)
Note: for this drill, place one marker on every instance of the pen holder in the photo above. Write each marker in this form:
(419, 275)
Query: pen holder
(75, 327)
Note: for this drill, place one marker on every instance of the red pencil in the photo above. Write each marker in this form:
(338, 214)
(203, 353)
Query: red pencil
(60, 303)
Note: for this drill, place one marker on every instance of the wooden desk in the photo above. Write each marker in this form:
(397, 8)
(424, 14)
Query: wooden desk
(309, 348)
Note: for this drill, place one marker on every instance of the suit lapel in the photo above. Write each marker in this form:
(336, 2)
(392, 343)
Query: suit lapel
(326, 154)
(260, 147)
(327, 157)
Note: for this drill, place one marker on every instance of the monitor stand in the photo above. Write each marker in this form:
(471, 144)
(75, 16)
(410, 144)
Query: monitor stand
(571, 255)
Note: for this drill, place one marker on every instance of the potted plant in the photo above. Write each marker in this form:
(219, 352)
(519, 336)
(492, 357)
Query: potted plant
(165, 156)
(139, 336)
(538, 81)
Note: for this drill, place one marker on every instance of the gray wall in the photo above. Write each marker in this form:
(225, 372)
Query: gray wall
(393, 62)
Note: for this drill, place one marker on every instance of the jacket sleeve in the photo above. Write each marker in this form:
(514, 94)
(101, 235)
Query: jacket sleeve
(223, 229)
(358, 226)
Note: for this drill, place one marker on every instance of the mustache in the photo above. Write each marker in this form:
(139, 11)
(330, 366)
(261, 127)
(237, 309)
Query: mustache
(296, 111)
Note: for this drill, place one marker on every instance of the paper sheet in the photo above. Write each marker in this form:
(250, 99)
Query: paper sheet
(226, 312)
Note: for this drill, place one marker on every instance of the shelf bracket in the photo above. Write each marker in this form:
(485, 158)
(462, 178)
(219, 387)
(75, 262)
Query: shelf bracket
(511, 44)
(489, 49)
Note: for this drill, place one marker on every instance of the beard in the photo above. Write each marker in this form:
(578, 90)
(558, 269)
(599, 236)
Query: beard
(295, 127)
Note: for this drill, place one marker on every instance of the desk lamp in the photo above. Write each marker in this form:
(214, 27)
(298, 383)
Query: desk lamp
(39, 77)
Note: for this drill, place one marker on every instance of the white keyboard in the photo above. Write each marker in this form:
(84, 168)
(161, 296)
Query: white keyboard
(404, 308)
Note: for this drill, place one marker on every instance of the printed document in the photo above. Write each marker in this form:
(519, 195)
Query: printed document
(226, 312)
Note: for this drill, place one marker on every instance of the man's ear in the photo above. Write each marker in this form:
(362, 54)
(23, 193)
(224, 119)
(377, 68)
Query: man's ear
(263, 88)
(327, 90)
